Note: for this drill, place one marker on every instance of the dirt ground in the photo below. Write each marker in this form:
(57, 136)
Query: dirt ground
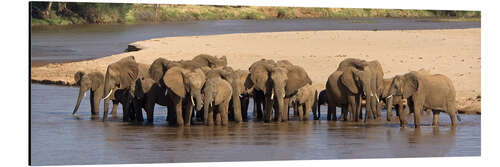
(454, 53)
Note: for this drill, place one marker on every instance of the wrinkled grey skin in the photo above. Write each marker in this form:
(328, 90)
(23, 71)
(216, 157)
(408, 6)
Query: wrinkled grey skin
(217, 94)
(422, 91)
(94, 82)
(352, 86)
(119, 75)
(287, 79)
(371, 79)
(148, 93)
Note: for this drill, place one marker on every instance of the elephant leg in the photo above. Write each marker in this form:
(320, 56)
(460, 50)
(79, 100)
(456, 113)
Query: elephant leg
(178, 110)
(244, 108)
(452, 111)
(114, 110)
(417, 110)
(218, 118)
(284, 114)
(358, 107)
(188, 113)
(92, 108)
(210, 117)
(368, 108)
(332, 109)
(435, 118)
(149, 107)
(97, 102)
(300, 111)
(268, 107)
(223, 110)
(344, 113)
(307, 111)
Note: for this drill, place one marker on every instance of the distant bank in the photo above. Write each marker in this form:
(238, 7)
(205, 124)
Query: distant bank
(64, 13)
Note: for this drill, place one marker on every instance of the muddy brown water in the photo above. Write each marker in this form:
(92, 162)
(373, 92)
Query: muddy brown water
(58, 138)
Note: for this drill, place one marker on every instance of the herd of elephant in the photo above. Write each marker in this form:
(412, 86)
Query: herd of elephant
(207, 90)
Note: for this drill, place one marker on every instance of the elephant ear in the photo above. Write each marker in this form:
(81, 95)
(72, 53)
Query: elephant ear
(224, 61)
(347, 80)
(78, 76)
(297, 78)
(412, 83)
(174, 80)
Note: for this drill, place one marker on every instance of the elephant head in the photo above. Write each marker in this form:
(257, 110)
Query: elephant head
(119, 75)
(93, 82)
(186, 82)
(158, 68)
(406, 85)
(348, 79)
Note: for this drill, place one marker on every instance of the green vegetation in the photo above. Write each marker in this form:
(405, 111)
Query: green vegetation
(63, 13)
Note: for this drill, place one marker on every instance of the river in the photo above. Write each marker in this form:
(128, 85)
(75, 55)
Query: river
(58, 138)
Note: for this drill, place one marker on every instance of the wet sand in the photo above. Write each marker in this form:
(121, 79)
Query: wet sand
(455, 53)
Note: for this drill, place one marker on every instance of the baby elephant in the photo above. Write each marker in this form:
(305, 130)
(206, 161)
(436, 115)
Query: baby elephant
(217, 93)
(425, 91)
(305, 99)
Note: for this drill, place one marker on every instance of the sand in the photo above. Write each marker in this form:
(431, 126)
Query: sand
(455, 53)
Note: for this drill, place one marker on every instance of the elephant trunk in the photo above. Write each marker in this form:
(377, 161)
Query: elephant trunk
(80, 96)
(236, 104)
(199, 100)
(281, 106)
(206, 108)
(389, 104)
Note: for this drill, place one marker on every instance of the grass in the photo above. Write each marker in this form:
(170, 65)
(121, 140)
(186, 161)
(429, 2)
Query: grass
(140, 13)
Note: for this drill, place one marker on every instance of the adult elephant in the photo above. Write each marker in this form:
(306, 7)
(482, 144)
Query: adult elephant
(119, 75)
(261, 84)
(352, 85)
(435, 92)
(94, 82)
(210, 61)
(336, 96)
(286, 79)
(184, 83)
(240, 94)
(217, 94)
(148, 93)
(371, 79)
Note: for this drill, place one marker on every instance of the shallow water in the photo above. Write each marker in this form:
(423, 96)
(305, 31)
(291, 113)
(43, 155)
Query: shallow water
(77, 42)
(57, 138)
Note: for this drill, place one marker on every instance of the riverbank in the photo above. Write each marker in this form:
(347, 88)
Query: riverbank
(454, 53)
(156, 13)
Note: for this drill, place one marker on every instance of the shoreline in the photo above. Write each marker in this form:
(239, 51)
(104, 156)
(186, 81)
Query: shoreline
(452, 52)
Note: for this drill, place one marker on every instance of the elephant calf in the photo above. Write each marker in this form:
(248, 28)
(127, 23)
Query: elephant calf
(217, 93)
(305, 100)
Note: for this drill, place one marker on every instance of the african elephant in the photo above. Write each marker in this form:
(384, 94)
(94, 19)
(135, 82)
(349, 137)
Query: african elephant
(119, 75)
(305, 100)
(322, 100)
(336, 96)
(184, 83)
(371, 79)
(392, 100)
(210, 61)
(422, 91)
(147, 94)
(217, 93)
(286, 79)
(240, 95)
(351, 86)
(94, 82)
(260, 83)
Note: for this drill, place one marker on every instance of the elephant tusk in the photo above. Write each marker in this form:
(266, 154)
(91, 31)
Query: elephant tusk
(85, 94)
(109, 94)
(240, 96)
(378, 100)
(272, 95)
(389, 96)
(192, 101)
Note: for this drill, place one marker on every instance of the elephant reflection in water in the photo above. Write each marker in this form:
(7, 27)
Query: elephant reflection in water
(428, 142)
